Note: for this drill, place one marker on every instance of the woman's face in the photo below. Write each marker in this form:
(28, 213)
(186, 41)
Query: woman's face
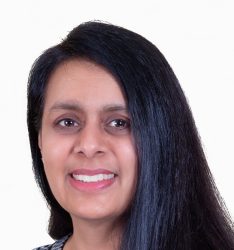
(86, 142)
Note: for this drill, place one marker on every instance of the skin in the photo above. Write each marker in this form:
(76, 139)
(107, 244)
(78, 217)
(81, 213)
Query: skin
(86, 125)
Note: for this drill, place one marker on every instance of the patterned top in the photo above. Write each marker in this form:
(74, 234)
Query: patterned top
(57, 245)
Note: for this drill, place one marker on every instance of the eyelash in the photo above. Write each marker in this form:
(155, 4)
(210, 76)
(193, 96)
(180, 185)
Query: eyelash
(67, 120)
(121, 122)
(72, 125)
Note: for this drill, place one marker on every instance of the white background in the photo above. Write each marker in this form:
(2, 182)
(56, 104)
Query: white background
(196, 37)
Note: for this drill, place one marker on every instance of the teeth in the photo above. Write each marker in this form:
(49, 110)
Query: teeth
(93, 178)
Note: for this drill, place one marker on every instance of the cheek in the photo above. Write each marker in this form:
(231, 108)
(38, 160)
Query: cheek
(129, 153)
(129, 162)
(54, 151)
(55, 147)
(128, 173)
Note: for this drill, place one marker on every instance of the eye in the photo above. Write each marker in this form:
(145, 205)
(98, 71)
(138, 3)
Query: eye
(67, 124)
(120, 124)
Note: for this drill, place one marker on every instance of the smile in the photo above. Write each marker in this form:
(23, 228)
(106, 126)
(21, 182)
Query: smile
(93, 178)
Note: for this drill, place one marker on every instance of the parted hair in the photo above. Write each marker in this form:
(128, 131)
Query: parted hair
(176, 205)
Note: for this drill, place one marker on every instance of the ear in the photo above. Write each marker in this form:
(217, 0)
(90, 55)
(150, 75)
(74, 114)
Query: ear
(40, 143)
(39, 140)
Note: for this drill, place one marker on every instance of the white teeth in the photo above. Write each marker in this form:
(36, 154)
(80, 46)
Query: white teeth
(93, 178)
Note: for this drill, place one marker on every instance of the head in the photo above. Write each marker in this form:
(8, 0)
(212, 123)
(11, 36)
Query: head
(170, 162)
(87, 147)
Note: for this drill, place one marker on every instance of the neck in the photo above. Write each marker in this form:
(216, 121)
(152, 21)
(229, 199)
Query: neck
(94, 235)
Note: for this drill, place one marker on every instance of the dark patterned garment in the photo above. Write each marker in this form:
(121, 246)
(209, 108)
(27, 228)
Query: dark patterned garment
(57, 245)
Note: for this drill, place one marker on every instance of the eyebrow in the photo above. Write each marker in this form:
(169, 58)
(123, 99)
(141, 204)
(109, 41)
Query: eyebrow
(66, 106)
(76, 106)
(115, 107)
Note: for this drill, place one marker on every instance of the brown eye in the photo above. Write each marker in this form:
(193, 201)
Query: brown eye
(67, 123)
(119, 123)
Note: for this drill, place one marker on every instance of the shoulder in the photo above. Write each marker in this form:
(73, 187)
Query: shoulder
(57, 245)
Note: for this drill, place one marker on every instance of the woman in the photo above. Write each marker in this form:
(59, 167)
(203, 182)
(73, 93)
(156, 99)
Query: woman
(115, 149)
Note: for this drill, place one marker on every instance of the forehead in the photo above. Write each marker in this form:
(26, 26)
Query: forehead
(84, 82)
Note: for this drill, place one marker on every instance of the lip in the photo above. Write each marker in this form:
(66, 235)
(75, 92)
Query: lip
(91, 186)
(91, 172)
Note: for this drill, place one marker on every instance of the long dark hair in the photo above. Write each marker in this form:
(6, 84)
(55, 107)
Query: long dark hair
(176, 205)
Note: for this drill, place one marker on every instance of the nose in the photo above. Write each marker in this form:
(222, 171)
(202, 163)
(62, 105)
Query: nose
(90, 142)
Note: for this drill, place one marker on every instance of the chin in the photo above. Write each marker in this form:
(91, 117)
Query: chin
(96, 214)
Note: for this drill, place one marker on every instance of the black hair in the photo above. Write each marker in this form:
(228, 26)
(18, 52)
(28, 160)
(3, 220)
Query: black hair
(176, 205)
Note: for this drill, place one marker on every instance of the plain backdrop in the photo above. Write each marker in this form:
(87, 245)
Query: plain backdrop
(196, 37)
